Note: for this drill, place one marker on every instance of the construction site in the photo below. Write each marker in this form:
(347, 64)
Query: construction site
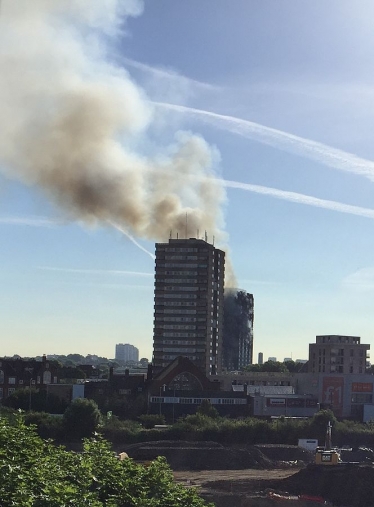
(266, 475)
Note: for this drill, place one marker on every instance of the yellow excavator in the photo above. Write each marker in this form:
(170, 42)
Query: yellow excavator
(327, 455)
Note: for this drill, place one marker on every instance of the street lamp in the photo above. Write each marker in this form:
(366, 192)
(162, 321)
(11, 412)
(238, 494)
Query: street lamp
(174, 404)
(30, 370)
(162, 388)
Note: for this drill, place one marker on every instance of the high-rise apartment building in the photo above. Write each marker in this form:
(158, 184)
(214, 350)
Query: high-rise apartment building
(126, 352)
(188, 305)
(237, 329)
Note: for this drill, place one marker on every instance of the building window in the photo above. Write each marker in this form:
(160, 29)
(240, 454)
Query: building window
(47, 377)
(124, 391)
(362, 398)
(1, 377)
(11, 380)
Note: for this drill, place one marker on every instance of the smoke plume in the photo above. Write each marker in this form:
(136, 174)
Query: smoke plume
(71, 118)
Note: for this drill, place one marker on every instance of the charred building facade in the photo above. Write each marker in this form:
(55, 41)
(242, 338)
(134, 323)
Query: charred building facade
(237, 329)
(188, 304)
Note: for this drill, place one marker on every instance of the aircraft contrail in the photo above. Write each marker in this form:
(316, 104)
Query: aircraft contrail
(114, 272)
(169, 74)
(132, 239)
(285, 141)
(302, 199)
(30, 221)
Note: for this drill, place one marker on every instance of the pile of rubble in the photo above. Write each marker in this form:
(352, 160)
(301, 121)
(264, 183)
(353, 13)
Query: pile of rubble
(286, 455)
(349, 486)
(200, 455)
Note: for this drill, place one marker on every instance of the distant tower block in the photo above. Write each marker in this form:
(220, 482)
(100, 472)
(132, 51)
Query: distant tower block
(126, 352)
(260, 358)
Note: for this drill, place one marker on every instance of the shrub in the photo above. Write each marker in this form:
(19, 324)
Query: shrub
(36, 473)
(207, 409)
(47, 426)
(119, 431)
(82, 418)
(150, 420)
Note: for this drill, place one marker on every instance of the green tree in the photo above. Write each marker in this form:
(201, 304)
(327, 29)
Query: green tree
(150, 420)
(76, 358)
(82, 418)
(71, 372)
(37, 399)
(268, 366)
(253, 367)
(319, 424)
(207, 409)
(47, 426)
(295, 367)
(35, 473)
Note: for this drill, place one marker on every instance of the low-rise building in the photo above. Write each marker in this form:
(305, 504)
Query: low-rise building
(345, 394)
(338, 354)
(26, 373)
(180, 388)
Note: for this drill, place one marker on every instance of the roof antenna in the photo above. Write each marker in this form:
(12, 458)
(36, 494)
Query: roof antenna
(206, 237)
(186, 223)
(171, 234)
(213, 240)
(197, 231)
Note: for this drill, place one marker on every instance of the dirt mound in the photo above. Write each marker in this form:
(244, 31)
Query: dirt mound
(175, 444)
(349, 486)
(341, 485)
(280, 452)
(199, 455)
(361, 454)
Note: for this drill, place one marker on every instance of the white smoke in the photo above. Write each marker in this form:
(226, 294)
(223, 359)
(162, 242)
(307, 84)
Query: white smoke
(69, 119)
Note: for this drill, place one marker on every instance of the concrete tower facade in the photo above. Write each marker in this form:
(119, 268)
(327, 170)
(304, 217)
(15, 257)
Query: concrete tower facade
(188, 304)
(126, 352)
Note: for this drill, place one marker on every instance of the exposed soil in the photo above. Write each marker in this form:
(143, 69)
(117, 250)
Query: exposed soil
(350, 486)
(340, 485)
(245, 476)
(213, 456)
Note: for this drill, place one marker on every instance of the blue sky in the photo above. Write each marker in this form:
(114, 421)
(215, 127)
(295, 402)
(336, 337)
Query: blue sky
(290, 86)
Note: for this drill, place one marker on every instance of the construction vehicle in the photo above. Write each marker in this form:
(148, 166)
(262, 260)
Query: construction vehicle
(327, 455)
